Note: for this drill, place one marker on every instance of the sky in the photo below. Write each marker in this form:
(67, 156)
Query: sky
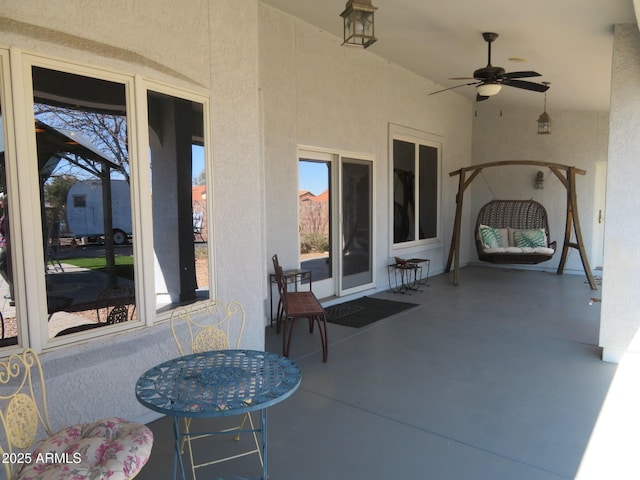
(197, 160)
(313, 176)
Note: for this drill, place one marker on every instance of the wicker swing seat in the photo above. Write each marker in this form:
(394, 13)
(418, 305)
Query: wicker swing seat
(511, 216)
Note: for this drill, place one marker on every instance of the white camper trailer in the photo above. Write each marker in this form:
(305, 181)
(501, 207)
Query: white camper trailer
(85, 214)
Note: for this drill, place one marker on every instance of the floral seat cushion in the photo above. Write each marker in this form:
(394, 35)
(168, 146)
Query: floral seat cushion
(111, 448)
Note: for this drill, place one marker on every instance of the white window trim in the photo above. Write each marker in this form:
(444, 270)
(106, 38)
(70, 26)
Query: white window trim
(10, 155)
(16, 94)
(29, 200)
(399, 132)
(146, 85)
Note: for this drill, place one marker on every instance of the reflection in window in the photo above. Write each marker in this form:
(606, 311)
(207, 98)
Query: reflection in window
(7, 300)
(8, 316)
(79, 201)
(83, 167)
(314, 207)
(415, 191)
(179, 199)
(357, 248)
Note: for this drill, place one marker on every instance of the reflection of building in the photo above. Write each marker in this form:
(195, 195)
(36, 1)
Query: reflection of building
(314, 213)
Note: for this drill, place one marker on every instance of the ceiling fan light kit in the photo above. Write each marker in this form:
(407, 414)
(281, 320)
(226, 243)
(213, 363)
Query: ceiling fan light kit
(489, 80)
(359, 28)
(488, 89)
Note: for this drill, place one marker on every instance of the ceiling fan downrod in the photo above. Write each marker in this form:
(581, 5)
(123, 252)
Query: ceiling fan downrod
(489, 37)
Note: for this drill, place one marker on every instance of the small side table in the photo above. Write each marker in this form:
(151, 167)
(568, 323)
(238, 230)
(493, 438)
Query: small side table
(293, 276)
(422, 280)
(407, 275)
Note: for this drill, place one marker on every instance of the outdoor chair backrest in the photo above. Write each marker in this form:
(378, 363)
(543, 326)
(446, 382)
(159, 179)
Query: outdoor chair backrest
(107, 448)
(282, 284)
(210, 325)
(23, 407)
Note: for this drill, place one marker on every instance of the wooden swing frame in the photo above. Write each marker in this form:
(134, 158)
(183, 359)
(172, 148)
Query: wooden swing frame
(564, 173)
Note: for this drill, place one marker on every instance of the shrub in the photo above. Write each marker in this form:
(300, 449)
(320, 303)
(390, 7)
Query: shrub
(314, 242)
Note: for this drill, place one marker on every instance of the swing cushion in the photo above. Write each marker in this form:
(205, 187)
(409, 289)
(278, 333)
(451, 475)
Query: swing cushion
(530, 238)
(519, 250)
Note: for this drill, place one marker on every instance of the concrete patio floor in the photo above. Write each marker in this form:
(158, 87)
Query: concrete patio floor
(499, 378)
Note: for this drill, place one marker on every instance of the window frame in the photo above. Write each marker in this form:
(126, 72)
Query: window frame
(39, 332)
(147, 86)
(418, 138)
(16, 93)
(7, 87)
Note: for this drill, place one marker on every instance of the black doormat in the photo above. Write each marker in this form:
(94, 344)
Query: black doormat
(364, 311)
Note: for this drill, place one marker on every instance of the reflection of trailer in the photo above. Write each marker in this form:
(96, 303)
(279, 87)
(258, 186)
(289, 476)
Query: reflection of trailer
(86, 216)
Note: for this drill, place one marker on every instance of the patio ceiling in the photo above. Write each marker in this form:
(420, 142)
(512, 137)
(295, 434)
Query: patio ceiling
(570, 42)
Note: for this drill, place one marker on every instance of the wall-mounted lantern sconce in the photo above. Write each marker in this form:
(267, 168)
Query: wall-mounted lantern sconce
(359, 28)
(539, 182)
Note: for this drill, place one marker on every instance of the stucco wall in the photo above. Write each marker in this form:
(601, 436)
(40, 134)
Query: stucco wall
(209, 47)
(578, 138)
(620, 300)
(321, 95)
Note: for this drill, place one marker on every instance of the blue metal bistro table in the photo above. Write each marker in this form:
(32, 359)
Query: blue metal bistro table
(218, 383)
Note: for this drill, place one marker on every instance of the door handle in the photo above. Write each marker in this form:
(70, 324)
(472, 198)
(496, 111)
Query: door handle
(600, 216)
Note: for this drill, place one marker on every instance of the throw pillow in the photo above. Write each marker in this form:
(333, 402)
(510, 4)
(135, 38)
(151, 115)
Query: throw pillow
(530, 238)
(490, 236)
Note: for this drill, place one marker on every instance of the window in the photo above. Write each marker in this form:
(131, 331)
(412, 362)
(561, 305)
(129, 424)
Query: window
(83, 169)
(415, 187)
(11, 332)
(80, 199)
(179, 199)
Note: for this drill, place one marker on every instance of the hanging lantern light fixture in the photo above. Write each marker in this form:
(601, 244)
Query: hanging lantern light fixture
(359, 28)
(544, 120)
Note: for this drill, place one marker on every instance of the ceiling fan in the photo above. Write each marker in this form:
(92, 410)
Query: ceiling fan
(489, 80)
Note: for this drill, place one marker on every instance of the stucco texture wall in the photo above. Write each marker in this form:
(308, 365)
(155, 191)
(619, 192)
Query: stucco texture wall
(320, 95)
(148, 35)
(620, 301)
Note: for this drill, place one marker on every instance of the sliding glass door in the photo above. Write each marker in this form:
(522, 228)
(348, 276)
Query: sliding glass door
(336, 222)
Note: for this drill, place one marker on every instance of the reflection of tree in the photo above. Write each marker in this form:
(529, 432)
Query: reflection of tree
(316, 218)
(314, 222)
(106, 132)
(55, 197)
(96, 148)
(200, 179)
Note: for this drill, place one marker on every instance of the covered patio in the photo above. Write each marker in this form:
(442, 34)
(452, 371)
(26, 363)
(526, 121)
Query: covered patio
(499, 378)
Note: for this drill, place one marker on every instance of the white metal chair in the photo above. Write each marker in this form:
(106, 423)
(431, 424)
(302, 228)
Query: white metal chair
(204, 326)
(110, 448)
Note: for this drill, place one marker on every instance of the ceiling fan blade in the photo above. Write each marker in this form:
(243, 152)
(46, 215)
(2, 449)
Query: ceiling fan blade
(521, 74)
(534, 87)
(457, 86)
(480, 98)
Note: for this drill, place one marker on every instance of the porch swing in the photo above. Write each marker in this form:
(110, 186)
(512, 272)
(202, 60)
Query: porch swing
(521, 231)
(502, 220)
